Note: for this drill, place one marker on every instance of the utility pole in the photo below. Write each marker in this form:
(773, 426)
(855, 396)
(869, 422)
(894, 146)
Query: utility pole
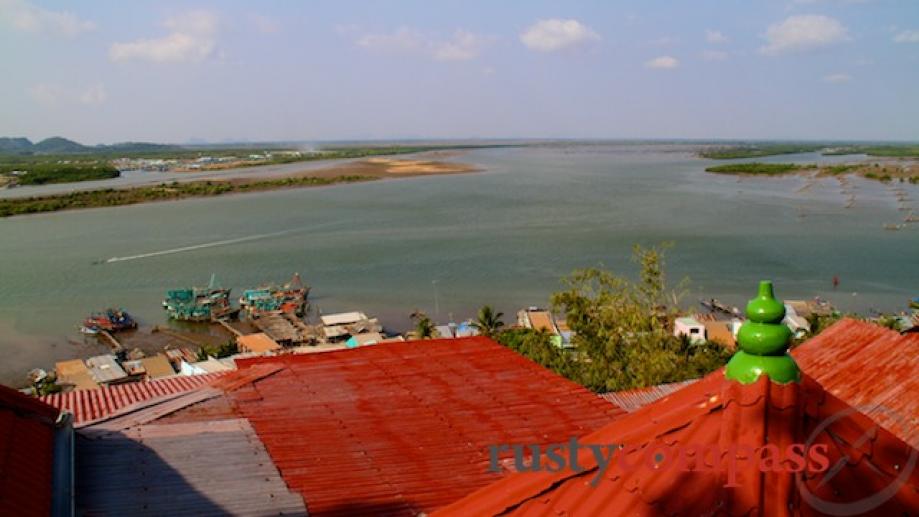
(436, 303)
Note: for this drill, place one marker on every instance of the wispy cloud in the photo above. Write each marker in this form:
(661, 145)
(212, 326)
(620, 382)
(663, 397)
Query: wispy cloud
(462, 46)
(51, 94)
(663, 62)
(557, 34)
(803, 33)
(715, 55)
(910, 36)
(193, 38)
(24, 16)
(715, 37)
(837, 78)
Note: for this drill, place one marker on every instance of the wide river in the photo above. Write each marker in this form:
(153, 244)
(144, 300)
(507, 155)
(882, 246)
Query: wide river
(448, 244)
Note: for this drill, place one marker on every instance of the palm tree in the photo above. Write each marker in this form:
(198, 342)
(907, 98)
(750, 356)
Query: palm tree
(488, 322)
(424, 327)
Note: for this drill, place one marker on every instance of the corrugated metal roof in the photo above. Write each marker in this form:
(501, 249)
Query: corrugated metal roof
(26, 454)
(205, 468)
(104, 368)
(864, 459)
(98, 403)
(402, 428)
(870, 367)
(257, 343)
(634, 399)
(342, 318)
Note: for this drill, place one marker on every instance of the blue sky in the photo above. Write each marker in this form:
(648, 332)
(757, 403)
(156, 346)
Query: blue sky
(168, 71)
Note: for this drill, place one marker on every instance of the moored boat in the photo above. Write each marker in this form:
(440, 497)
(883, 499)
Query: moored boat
(110, 320)
(199, 303)
(271, 299)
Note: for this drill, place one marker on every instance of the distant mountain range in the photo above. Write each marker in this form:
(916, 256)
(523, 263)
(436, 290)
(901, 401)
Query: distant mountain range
(60, 145)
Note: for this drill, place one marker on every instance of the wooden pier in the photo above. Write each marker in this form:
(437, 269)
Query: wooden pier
(113, 343)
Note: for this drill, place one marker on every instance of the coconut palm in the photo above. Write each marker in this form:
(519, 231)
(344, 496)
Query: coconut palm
(488, 322)
(424, 327)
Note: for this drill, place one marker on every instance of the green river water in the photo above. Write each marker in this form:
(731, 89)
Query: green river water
(503, 236)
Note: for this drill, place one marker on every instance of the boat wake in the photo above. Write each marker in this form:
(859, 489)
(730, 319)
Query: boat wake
(194, 247)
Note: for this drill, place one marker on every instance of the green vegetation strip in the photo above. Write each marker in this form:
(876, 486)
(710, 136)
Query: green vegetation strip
(162, 192)
(42, 172)
(768, 169)
(744, 151)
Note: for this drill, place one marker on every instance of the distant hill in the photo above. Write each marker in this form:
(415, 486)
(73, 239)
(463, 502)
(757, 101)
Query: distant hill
(60, 145)
(14, 145)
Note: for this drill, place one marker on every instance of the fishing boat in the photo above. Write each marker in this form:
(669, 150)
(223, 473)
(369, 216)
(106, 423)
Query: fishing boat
(271, 299)
(110, 320)
(199, 303)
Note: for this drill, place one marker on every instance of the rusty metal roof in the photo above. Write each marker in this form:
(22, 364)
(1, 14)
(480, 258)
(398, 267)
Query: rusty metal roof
(203, 468)
(87, 405)
(26, 454)
(635, 399)
(864, 458)
(402, 428)
(870, 367)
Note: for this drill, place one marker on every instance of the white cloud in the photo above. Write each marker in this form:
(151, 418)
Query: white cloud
(50, 94)
(907, 37)
(26, 17)
(837, 78)
(557, 34)
(463, 46)
(715, 55)
(802, 33)
(95, 94)
(663, 62)
(715, 37)
(193, 39)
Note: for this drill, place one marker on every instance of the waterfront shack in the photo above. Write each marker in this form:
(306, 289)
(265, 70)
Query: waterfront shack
(259, 343)
(691, 327)
(106, 370)
(74, 373)
(157, 366)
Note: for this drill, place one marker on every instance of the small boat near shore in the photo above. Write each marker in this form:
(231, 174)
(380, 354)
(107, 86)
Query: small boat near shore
(109, 320)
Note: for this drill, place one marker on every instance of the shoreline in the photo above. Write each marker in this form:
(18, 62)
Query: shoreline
(884, 171)
(364, 170)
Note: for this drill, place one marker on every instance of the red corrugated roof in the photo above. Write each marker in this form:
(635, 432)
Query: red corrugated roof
(719, 412)
(87, 405)
(635, 399)
(870, 367)
(26, 454)
(401, 428)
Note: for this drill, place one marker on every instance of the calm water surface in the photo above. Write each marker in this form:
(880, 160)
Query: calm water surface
(504, 236)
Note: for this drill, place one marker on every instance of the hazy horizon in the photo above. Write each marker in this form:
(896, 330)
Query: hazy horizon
(180, 72)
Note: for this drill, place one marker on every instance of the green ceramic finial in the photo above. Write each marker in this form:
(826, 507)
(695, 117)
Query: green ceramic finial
(763, 341)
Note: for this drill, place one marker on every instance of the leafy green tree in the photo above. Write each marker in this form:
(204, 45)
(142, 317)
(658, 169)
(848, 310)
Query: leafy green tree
(622, 328)
(488, 322)
(424, 327)
(537, 346)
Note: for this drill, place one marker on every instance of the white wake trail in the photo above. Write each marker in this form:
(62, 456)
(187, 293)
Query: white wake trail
(197, 247)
